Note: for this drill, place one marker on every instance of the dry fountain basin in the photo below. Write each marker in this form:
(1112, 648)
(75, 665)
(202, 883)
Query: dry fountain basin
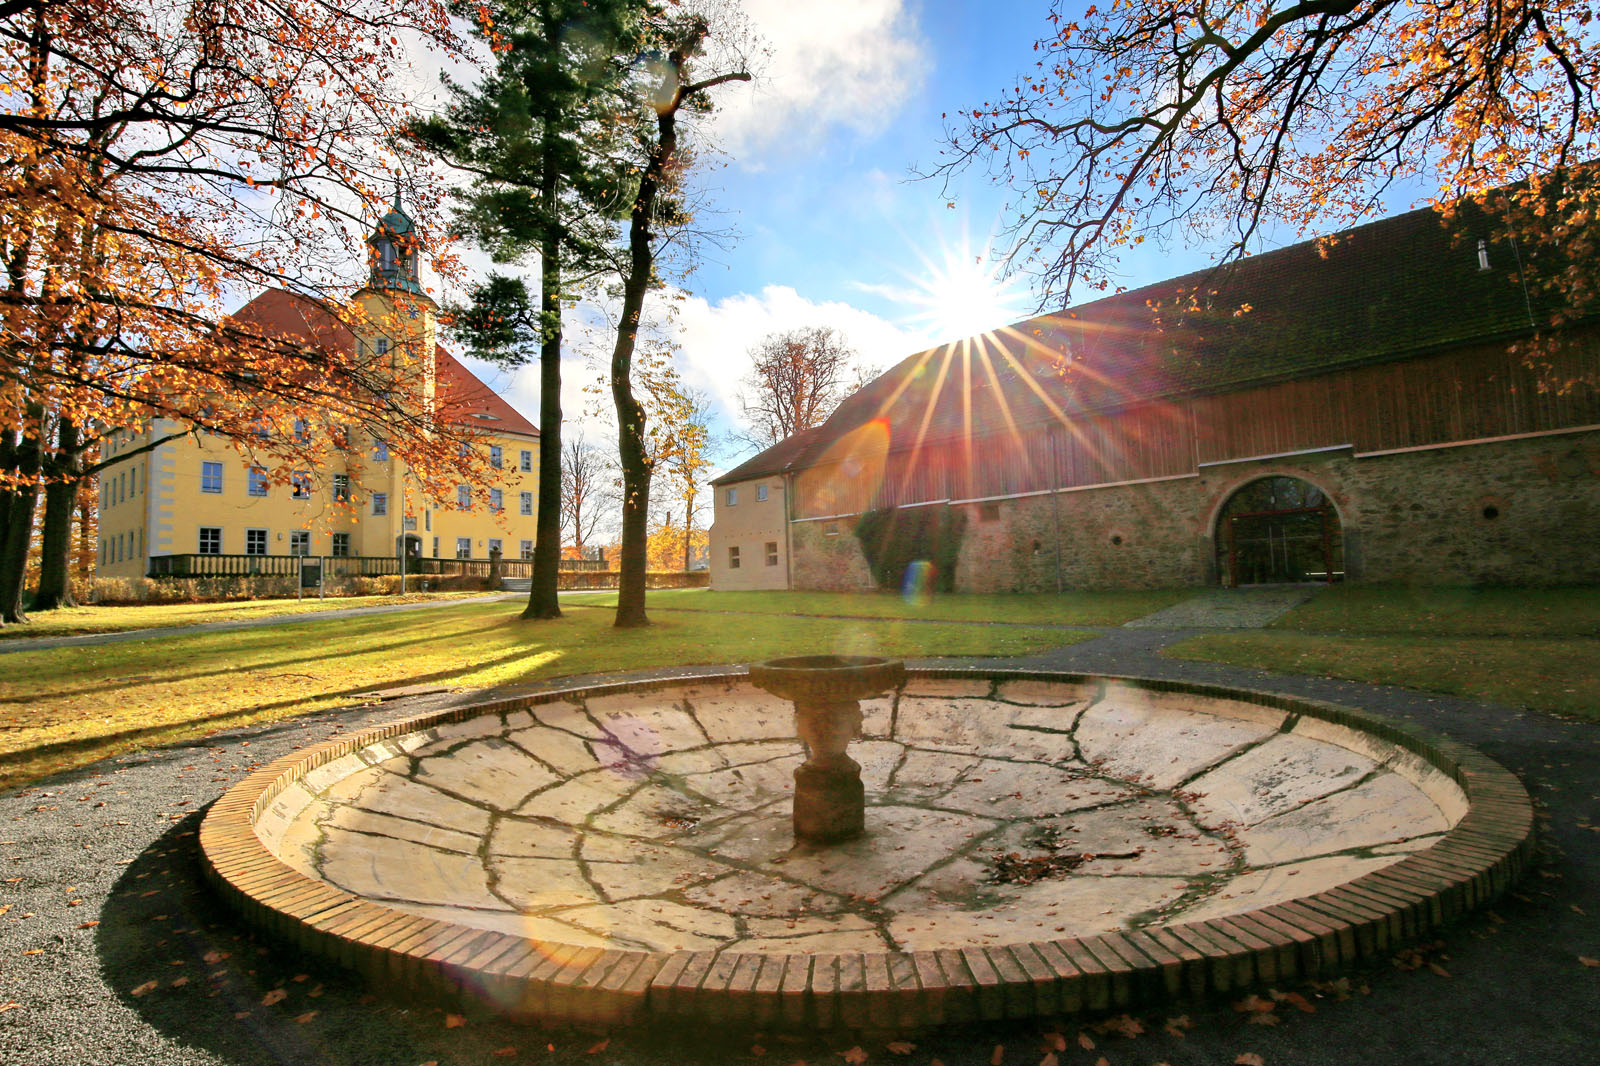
(1032, 844)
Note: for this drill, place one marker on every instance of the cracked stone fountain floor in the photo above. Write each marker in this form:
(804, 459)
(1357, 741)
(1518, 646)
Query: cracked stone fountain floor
(998, 812)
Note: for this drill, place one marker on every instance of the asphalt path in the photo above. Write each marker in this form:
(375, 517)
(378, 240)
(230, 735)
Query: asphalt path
(114, 951)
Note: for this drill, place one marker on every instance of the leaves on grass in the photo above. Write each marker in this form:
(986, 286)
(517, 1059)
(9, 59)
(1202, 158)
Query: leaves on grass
(601, 1046)
(901, 1047)
(454, 1021)
(179, 982)
(89, 925)
(998, 1056)
(1249, 1058)
(12, 1005)
(1177, 1026)
(504, 1052)
(1587, 961)
(306, 1017)
(146, 988)
(1055, 1041)
(854, 1055)
(1049, 1059)
(34, 951)
(1085, 1042)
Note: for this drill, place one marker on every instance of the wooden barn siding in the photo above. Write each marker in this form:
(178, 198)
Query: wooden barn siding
(1463, 395)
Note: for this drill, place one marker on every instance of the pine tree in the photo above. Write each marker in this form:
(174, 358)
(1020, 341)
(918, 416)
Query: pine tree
(534, 136)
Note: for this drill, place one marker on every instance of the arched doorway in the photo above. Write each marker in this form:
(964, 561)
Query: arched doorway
(1278, 530)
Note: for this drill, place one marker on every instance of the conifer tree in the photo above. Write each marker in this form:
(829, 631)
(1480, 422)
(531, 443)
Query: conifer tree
(533, 134)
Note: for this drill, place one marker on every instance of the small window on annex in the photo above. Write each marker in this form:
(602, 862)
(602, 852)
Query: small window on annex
(341, 546)
(380, 503)
(300, 542)
(463, 547)
(255, 542)
(495, 547)
(210, 540)
(733, 497)
(772, 553)
(733, 558)
(761, 494)
(527, 549)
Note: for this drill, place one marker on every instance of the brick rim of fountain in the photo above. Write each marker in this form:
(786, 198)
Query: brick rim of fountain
(1309, 937)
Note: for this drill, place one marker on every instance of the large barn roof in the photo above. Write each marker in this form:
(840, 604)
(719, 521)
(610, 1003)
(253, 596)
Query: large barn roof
(1393, 289)
(462, 397)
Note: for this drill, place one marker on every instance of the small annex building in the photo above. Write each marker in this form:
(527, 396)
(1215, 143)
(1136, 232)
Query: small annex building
(1341, 409)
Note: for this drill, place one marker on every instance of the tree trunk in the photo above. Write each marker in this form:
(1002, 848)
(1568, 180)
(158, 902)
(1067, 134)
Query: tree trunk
(631, 450)
(23, 461)
(543, 600)
(55, 538)
(688, 518)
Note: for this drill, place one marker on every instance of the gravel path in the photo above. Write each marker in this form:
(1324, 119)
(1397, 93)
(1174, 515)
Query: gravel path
(112, 950)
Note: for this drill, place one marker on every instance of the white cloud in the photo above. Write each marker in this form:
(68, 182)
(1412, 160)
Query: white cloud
(715, 339)
(850, 63)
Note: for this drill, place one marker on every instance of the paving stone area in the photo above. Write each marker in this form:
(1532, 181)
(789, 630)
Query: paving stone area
(999, 813)
(1242, 608)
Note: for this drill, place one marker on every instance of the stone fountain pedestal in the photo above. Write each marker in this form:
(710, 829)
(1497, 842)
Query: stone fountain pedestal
(829, 799)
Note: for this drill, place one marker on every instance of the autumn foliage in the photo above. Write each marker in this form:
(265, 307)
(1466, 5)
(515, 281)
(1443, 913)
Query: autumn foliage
(1145, 119)
(162, 164)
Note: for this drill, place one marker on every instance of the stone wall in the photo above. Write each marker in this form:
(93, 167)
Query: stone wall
(1503, 512)
(829, 561)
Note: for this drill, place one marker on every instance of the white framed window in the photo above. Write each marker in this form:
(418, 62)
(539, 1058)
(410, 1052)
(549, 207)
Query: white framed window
(830, 529)
(527, 503)
(382, 344)
(497, 456)
(341, 545)
(300, 485)
(341, 487)
(463, 449)
(380, 503)
(527, 461)
(257, 482)
(497, 500)
(733, 558)
(210, 477)
(463, 547)
(494, 546)
(732, 497)
(210, 540)
(255, 542)
(302, 432)
(527, 549)
(772, 553)
(436, 547)
(761, 494)
(380, 450)
(300, 542)
(463, 497)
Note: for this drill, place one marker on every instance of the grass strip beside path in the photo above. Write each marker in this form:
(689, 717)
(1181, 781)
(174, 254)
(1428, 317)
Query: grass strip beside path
(95, 618)
(1449, 611)
(1109, 608)
(65, 707)
(1543, 674)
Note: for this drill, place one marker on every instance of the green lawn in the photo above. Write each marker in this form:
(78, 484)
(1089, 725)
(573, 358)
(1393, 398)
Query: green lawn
(74, 621)
(1066, 609)
(69, 706)
(1477, 612)
(1541, 673)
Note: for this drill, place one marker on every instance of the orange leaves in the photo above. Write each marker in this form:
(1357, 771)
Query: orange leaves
(277, 995)
(1249, 1058)
(855, 1056)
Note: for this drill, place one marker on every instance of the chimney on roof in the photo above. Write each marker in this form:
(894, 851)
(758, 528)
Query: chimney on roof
(1483, 255)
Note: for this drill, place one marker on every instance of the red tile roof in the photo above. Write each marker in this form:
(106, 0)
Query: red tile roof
(462, 396)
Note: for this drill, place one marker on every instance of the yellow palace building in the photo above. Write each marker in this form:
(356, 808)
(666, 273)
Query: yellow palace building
(193, 506)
